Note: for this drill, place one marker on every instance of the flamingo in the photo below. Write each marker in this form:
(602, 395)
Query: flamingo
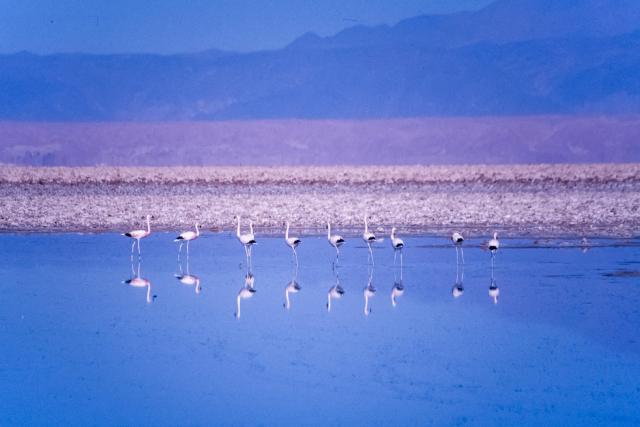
(493, 245)
(247, 240)
(335, 292)
(457, 239)
(187, 236)
(397, 244)
(335, 240)
(292, 242)
(136, 235)
(368, 238)
(137, 281)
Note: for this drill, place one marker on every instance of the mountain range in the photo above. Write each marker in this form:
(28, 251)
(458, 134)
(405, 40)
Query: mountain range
(513, 57)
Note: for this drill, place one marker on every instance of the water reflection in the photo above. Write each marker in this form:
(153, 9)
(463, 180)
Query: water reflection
(335, 292)
(458, 286)
(397, 290)
(494, 290)
(369, 292)
(585, 245)
(292, 288)
(137, 281)
(246, 291)
(187, 278)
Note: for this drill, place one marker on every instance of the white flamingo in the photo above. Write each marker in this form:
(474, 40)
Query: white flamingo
(247, 240)
(138, 281)
(292, 242)
(137, 235)
(493, 245)
(457, 239)
(335, 240)
(368, 238)
(397, 244)
(187, 236)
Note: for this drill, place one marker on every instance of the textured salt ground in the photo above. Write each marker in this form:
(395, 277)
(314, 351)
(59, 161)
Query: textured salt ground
(601, 199)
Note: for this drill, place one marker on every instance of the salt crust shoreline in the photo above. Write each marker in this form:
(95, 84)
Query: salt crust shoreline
(542, 200)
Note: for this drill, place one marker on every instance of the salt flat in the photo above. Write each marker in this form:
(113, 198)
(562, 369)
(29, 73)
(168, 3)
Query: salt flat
(601, 199)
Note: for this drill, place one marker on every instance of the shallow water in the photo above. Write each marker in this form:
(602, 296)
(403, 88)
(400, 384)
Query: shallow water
(80, 347)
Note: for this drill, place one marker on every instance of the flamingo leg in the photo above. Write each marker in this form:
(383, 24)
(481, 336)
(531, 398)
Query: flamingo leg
(371, 254)
(187, 249)
(295, 254)
(395, 254)
(457, 259)
(179, 250)
(132, 246)
(138, 248)
(462, 254)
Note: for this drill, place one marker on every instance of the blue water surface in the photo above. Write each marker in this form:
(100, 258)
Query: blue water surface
(554, 342)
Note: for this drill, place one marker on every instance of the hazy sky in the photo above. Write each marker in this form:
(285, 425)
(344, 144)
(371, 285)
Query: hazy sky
(164, 26)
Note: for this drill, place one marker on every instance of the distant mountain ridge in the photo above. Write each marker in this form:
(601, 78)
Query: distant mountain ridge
(513, 57)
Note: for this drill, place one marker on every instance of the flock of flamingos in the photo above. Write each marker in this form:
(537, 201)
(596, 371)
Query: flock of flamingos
(247, 240)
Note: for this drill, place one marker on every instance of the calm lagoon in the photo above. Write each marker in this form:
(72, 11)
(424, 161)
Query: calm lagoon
(79, 347)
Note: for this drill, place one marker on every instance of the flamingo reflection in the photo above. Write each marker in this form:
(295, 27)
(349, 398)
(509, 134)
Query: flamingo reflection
(188, 279)
(398, 288)
(137, 281)
(246, 291)
(292, 288)
(369, 291)
(458, 285)
(335, 292)
(494, 290)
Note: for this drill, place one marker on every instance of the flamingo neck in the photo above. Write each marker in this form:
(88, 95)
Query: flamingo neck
(366, 225)
(393, 299)
(148, 225)
(238, 306)
(286, 234)
(329, 301)
(329, 230)
(148, 293)
(197, 229)
(366, 304)
(238, 229)
(286, 297)
(251, 227)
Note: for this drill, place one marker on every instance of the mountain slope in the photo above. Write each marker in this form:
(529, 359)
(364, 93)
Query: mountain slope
(515, 57)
